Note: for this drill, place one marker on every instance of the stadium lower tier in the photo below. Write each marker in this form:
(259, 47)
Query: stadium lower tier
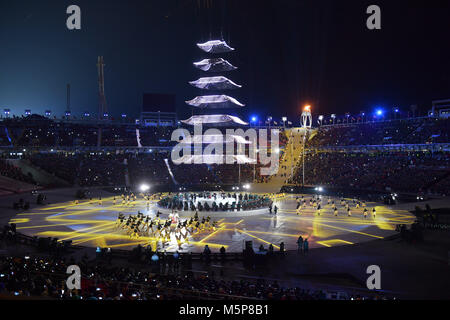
(379, 171)
(383, 171)
(112, 222)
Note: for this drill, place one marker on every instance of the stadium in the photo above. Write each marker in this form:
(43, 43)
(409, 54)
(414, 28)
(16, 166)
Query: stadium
(224, 201)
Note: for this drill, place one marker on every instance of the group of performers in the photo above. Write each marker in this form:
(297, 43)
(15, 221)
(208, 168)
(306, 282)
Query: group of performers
(316, 202)
(141, 225)
(125, 200)
(214, 201)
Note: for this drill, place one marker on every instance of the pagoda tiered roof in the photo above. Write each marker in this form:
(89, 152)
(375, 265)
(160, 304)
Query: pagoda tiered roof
(214, 102)
(214, 119)
(214, 83)
(214, 65)
(213, 138)
(215, 46)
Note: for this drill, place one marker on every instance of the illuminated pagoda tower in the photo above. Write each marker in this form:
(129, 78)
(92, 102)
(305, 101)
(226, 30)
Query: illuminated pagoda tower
(217, 84)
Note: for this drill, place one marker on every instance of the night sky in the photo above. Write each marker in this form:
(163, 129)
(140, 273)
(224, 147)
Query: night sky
(289, 53)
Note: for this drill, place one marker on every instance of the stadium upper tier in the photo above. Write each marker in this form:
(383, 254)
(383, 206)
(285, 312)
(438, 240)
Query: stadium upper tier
(53, 134)
(411, 131)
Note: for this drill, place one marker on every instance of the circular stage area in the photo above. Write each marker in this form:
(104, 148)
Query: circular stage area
(95, 223)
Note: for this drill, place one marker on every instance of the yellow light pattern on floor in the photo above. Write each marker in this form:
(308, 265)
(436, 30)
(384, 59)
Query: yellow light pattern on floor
(92, 223)
(333, 242)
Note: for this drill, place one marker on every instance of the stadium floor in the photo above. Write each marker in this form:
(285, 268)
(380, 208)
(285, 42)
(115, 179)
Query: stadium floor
(92, 224)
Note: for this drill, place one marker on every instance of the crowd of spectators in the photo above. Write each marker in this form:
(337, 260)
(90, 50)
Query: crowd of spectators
(47, 133)
(62, 165)
(111, 169)
(381, 169)
(147, 275)
(149, 168)
(102, 170)
(92, 167)
(13, 172)
(46, 277)
(156, 136)
(378, 171)
(410, 131)
(43, 132)
(83, 169)
(37, 131)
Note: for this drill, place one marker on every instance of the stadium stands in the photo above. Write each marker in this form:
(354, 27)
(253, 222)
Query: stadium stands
(377, 171)
(362, 156)
(408, 131)
(382, 169)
